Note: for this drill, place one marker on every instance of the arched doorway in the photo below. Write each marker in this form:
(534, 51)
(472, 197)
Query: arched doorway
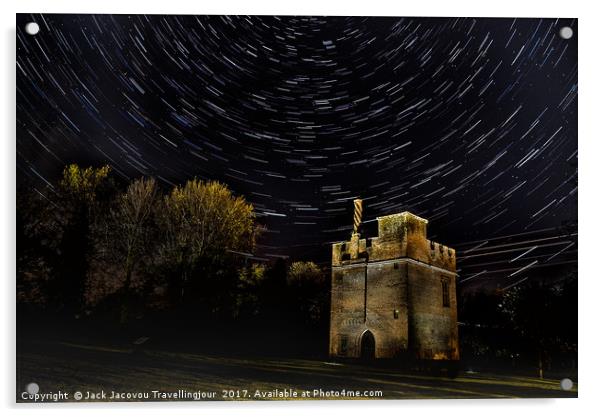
(367, 345)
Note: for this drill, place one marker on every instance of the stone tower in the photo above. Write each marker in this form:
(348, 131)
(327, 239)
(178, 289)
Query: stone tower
(393, 295)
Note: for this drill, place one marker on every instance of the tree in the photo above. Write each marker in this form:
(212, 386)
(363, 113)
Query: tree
(35, 246)
(531, 311)
(129, 235)
(485, 335)
(307, 286)
(251, 279)
(81, 195)
(83, 185)
(203, 224)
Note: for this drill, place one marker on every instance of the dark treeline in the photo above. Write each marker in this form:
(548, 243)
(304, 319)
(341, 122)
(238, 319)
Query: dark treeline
(135, 256)
(532, 326)
(175, 264)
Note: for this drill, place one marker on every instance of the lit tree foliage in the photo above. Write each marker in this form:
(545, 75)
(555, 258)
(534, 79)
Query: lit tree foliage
(202, 225)
(251, 279)
(83, 184)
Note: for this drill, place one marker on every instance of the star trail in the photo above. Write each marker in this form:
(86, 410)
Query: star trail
(470, 123)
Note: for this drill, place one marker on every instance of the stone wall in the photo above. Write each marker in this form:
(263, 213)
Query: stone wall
(387, 308)
(346, 310)
(386, 314)
(432, 327)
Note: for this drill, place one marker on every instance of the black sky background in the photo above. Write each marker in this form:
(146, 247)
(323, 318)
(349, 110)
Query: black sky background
(470, 123)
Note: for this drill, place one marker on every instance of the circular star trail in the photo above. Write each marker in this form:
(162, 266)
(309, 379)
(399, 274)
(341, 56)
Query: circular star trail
(470, 123)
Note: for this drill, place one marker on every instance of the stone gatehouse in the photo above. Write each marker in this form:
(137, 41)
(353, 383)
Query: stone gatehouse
(393, 295)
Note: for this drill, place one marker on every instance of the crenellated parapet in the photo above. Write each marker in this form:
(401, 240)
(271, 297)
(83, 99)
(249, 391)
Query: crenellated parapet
(401, 235)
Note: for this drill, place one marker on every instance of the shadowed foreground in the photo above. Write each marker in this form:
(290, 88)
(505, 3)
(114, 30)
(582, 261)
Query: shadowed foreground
(76, 367)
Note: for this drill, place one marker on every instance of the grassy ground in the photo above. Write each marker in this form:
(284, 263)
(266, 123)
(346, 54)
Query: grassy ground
(71, 367)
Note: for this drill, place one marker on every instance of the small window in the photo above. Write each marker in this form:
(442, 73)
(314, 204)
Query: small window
(343, 344)
(368, 243)
(445, 291)
(432, 245)
(396, 266)
(396, 314)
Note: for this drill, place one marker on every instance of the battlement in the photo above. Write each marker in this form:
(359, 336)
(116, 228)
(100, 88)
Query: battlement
(400, 235)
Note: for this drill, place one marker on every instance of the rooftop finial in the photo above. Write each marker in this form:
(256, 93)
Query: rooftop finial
(357, 215)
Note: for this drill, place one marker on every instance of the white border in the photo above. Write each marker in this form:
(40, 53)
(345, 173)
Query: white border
(590, 289)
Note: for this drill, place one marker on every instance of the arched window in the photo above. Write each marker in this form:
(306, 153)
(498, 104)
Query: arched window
(445, 291)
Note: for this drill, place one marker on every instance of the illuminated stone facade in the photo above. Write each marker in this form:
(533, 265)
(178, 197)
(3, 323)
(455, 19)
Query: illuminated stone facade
(394, 295)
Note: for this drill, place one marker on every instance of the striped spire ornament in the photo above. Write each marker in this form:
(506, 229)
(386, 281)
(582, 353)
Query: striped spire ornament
(357, 215)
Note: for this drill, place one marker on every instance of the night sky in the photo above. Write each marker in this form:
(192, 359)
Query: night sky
(469, 123)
